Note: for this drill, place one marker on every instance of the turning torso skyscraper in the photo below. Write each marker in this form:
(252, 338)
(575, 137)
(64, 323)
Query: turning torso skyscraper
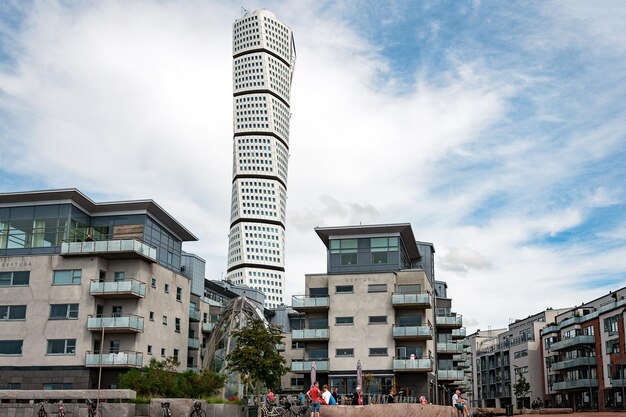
(264, 56)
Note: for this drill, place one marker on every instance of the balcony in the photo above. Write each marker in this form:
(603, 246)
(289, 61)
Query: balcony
(460, 357)
(449, 347)
(194, 314)
(412, 300)
(121, 324)
(412, 332)
(111, 249)
(309, 334)
(129, 288)
(449, 375)
(321, 365)
(412, 365)
(573, 363)
(576, 383)
(459, 334)
(304, 303)
(126, 359)
(193, 343)
(280, 347)
(618, 382)
(573, 341)
(208, 327)
(451, 321)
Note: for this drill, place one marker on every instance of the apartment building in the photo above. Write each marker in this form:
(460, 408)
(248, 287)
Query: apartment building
(86, 286)
(583, 355)
(374, 307)
(507, 356)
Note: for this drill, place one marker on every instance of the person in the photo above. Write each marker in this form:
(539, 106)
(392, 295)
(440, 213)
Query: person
(391, 398)
(459, 403)
(423, 400)
(335, 395)
(270, 396)
(358, 398)
(325, 395)
(315, 395)
(302, 398)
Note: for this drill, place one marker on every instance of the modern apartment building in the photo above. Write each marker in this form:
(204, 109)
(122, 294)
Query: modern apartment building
(583, 355)
(263, 62)
(507, 356)
(86, 286)
(374, 306)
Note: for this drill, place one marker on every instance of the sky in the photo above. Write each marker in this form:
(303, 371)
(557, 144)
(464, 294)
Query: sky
(497, 129)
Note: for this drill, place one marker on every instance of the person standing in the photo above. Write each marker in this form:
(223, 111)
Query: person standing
(357, 398)
(391, 398)
(326, 395)
(316, 399)
(336, 394)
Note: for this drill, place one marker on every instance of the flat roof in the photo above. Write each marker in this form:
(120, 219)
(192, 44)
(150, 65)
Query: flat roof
(404, 229)
(74, 195)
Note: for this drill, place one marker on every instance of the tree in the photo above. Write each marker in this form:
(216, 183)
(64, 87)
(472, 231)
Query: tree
(255, 356)
(521, 389)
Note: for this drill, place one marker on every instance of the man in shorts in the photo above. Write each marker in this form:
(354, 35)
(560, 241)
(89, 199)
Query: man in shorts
(459, 403)
(316, 399)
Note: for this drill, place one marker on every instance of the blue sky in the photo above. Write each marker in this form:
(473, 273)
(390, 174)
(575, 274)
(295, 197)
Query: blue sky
(497, 129)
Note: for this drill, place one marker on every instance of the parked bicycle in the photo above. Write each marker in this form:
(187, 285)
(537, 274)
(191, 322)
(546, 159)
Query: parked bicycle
(60, 409)
(166, 409)
(271, 410)
(42, 409)
(197, 410)
(92, 407)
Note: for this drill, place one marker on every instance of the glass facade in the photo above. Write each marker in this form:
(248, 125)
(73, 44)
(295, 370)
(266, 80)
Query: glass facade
(368, 254)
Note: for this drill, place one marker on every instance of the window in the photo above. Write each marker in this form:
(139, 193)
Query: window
(118, 276)
(380, 258)
(11, 385)
(114, 346)
(13, 312)
(297, 382)
(67, 277)
(166, 288)
(344, 320)
(14, 279)
(11, 347)
(610, 324)
(153, 282)
(179, 294)
(381, 246)
(63, 311)
(175, 355)
(162, 352)
(149, 349)
(378, 351)
(61, 347)
(377, 319)
(347, 248)
(297, 345)
(412, 320)
(377, 288)
(344, 352)
(588, 330)
(151, 316)
(344, 289)
(57, 386)
(177, 325)
(116, 311)
(165, 320)
(521, 353)
(612, 346)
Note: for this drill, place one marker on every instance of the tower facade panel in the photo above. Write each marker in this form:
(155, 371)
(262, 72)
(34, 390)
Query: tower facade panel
(263, 62)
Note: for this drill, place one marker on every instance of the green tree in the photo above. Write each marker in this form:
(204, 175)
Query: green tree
(255, 357)
(521, 389)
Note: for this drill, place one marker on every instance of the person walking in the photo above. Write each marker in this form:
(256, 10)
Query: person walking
(315, 396)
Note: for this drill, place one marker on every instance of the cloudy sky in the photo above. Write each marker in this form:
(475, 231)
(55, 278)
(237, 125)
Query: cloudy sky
(497, 129)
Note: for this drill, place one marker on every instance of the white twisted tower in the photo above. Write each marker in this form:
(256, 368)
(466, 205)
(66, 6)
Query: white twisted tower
(264, 55)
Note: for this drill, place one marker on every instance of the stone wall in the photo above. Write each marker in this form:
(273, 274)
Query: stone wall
(388, 410)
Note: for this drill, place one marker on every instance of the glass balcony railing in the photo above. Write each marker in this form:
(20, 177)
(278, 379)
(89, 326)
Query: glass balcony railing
(575, 383)
(129, 287)
(130, 323)
(194, 314)
(449, 347)
(208, 326)
(573, 341)
(412, 331)
(321, 365)
(133, 246)
(449, 321)
(450, 375)
(411, 299)
(304, 302)
(121, 359)
(280, 347)
(412, 364)
(573, 363)
(309, 334)
(193, 343)
(459, 333)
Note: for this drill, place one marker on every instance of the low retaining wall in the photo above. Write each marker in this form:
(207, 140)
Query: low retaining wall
(388, 410)
(184, 406)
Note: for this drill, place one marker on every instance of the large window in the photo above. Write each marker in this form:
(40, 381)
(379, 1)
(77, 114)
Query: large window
(381, 246)
(610, 324)
(63, 311)
(57, 386)
(61, 347)
(411, 321)
(11, 347)
(67, 277)
(13, 312)
(18, 278)
(347, 248)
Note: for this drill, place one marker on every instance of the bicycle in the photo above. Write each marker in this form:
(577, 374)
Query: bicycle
(60, 409)
(92, 408)
(166, 409)
(197, 410)
(270, 410)
(42, 409)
